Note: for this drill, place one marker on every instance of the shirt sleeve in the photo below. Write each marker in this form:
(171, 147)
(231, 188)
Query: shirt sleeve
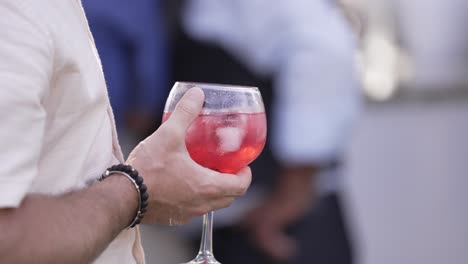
(316, 83)
(25, 70)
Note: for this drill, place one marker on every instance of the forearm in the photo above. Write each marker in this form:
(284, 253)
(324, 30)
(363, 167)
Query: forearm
(296, 179)
(294, 193)
(73, 228)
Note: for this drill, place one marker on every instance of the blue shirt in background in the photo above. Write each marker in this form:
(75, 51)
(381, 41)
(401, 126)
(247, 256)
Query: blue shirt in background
(131, 40)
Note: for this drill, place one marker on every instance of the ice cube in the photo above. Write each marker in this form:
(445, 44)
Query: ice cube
(230, 138)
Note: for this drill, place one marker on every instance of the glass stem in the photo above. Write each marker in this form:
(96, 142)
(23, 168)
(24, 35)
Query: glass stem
(206, 245)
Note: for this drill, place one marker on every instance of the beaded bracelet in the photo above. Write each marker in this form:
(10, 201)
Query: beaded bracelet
(132, 175)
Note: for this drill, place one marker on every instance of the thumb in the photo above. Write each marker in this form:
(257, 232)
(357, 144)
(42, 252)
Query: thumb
(188, 108)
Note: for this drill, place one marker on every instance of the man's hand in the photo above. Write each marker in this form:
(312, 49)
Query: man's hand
(180, 189)
(291, 200)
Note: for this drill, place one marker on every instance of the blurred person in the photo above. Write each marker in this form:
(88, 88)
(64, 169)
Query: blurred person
(300, 55)
(131, 41)
(58, 137)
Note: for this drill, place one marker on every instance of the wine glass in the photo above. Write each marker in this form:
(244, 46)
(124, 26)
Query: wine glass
(229, 133)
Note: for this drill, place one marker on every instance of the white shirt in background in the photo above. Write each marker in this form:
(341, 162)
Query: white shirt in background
(309, 49)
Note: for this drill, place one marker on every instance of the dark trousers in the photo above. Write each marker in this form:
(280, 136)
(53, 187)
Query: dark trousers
(322, 237)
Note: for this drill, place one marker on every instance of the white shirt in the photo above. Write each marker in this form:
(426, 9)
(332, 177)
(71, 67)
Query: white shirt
(57, 132)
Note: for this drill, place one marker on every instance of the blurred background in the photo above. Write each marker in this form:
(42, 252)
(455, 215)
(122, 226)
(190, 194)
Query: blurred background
(367, 103)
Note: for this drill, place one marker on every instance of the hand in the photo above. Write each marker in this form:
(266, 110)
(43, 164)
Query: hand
(268, 223)
(180, 189)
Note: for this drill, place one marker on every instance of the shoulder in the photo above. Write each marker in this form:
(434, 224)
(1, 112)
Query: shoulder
(24, 13)
(25, 19)
(42, 12)
(25, 41)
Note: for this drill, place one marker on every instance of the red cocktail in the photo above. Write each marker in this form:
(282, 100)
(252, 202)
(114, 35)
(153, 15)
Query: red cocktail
(226, 142)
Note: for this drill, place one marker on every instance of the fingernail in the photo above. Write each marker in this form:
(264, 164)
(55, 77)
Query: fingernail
(194, 93)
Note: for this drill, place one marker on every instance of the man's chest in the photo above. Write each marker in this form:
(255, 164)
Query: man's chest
(78, 133)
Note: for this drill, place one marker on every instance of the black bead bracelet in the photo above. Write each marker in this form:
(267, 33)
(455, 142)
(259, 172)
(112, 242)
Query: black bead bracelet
(132, 175)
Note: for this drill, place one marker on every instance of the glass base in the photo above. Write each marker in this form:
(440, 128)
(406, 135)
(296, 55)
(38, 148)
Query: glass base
(204, 259)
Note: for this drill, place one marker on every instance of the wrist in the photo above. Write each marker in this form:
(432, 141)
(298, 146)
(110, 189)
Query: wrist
(126, 171)
(122, 199)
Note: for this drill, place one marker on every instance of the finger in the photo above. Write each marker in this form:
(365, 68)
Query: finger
(175, 221)
(221, 203)
(276, 244)
(210, 205)
(233, 185)
(284, 246)
(281, 248)
(187, 109)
